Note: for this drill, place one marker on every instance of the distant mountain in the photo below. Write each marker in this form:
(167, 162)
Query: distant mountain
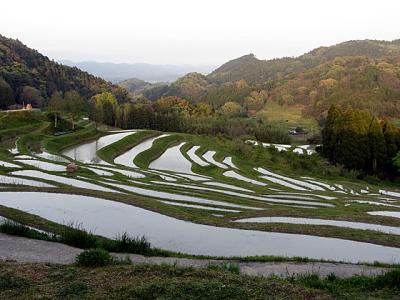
(27, 75)
(147, 72)
(137, 86)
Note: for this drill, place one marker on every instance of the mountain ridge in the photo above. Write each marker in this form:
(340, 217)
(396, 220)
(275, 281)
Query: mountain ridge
(152, 73)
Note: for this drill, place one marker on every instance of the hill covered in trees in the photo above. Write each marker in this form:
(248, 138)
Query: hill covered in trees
(137, 86)
(253, 70)
(364, 74)
(30, 77)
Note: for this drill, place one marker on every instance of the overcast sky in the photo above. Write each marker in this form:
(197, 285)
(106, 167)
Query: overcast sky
(201, 32)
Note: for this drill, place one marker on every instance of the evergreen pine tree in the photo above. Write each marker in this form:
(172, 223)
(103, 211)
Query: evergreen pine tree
(377, 146)
(330, 136)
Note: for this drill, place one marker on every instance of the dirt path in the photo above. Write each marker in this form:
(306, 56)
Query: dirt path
(20, 249)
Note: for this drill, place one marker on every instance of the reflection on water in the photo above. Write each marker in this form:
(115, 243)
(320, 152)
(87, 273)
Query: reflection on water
(86, 153)
(393, 214)
(44, 165)
(172, 160)
(308, 221)
(64, 180)
(127, 158)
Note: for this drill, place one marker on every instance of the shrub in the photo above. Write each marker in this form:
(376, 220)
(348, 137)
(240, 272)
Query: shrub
(94, 258)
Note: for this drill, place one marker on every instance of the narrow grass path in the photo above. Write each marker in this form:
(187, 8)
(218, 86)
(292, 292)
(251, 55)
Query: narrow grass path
(143, 159)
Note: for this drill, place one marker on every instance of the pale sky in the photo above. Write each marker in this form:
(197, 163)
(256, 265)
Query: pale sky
(202, 32)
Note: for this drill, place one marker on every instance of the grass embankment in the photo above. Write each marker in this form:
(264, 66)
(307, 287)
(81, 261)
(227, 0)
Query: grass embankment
(39, 281)
(109, 152)
(55, 144)
(22, 123)
(76, 236)
(144, 158)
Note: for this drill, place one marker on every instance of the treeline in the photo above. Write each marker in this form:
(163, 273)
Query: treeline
(359, 141)
(178, 115)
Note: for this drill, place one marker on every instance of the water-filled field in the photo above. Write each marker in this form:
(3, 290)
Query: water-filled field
(198, 197)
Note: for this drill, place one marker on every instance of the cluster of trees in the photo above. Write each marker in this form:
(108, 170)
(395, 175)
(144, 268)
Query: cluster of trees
(359, 141)
(178, 115)
(360, 82)
(70, 103)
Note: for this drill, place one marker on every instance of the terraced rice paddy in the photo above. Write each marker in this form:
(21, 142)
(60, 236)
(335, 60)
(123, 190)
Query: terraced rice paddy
(8, 165)
(87, 152)
(109, 218)
(306, 221)
(188, 189)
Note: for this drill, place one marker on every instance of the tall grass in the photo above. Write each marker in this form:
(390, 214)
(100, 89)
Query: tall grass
(73, 234)
(14, 228)
(125, 243)
(227, 267)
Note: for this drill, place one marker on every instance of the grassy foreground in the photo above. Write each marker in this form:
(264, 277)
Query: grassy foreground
(44, 281)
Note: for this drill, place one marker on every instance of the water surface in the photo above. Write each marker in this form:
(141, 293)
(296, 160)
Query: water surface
(8, 165)
(63, 180)
(209, 156)
(235, 175)
(172, 160)
(177, 197)
(126, 159)
(87, 152)
(193, 156)
(108, 218)
(308, 221)
(22, 181)
(393, 214)
(294, 181)
(228, 161)
(44, 165)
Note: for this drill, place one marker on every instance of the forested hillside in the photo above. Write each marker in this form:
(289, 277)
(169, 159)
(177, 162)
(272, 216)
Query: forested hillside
(254, 70)
(28, 76)
(363, 74)
(137, 86)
